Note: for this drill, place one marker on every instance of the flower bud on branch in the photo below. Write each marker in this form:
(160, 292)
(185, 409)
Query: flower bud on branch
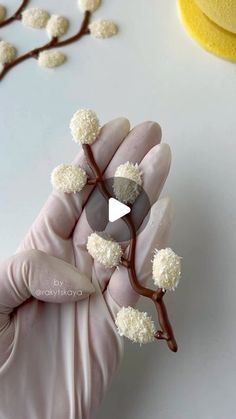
(57, 26)
(104, 249)
(35, 18)
(51, 59)
(89, 5)
(68, 178)
(127, 191)
(84, 126)
(166, 269)
(135, 325)
(7, 52)
(103, 28)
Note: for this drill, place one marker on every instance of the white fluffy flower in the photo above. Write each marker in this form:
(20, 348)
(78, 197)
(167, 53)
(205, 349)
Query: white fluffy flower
(57, 26)
(68, 178)
(135, 325)
(89, 5)
(127, 186)
(166, 269)
(51, 59)
(2, 12)
(103, 28)
(84, 126)
(35, 18)
(104, 249)
(7, 52)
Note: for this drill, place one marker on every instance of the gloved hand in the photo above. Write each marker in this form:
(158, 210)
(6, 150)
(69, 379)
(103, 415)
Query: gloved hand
(58, 341)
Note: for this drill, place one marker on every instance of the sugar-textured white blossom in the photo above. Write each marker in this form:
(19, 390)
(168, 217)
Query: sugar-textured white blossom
(166, 269)
(104, 249)
(84, 126)
(51, 58)
(2, 12)
(89, 5)
(127, 182)
(35, 18)
(68, 178)
(57, 26)
(7, 52)
(135, 325)
(103, 28)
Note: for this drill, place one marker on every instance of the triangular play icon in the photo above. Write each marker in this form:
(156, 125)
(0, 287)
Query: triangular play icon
(116, 210)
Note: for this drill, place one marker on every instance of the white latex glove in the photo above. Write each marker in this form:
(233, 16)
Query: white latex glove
(58, 351)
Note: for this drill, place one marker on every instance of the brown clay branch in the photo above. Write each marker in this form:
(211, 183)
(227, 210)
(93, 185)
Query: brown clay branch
(16, 15)
(92, 181)
(53, 43)
(156, 296)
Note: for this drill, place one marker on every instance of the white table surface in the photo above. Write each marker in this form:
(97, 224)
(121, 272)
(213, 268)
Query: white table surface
(151, 70)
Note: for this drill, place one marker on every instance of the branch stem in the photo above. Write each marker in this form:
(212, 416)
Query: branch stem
(53, 43)
(16, 15)
(156, 296)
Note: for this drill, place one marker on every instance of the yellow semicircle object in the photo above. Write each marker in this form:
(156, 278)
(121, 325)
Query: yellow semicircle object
(212, 37)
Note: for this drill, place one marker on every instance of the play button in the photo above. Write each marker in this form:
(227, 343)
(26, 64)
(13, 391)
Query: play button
(106, 214)
(116, 210)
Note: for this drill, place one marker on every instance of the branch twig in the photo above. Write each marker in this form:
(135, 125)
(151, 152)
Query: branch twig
(156, 296)
(53, 43)
(16, 15)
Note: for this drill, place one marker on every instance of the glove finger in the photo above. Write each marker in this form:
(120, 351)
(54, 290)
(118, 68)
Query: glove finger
(34, 273)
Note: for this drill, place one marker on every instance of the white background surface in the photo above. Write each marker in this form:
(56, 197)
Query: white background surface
(152, 70)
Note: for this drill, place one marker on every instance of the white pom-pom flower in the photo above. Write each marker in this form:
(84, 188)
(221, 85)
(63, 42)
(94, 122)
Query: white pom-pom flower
(7, 52)
(2, 12)
(127, 190)
(104, 249)
(84, 126)
(51, 59)
(135, 325)
(103, 28)
(89, 5)
(35, 18)
(57, 26)
(68, 178)
(166, 269)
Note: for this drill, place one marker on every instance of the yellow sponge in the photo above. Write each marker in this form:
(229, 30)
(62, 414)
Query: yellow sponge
(213, 37)
(222, 12)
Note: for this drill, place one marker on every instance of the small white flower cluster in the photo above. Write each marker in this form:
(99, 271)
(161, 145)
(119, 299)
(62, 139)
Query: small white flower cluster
(89, 5)
(57, 26)
(103, 28)
(166, 269)
(35, 18)
(135, 325)
(84, 126)
(104, 249)
(2, 12)
(127, 190)
(68, 178)
(51, 58)
(7, 52)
